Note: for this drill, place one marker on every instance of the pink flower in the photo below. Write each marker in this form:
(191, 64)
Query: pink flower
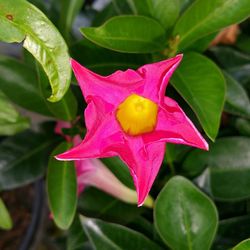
(92, 172)
(128, 115)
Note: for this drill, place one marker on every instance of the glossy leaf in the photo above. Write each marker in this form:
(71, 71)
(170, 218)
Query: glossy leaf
(237, 101)
(243, 126)
(228, 174)
(5, 219)
(184, 216)
(32, 89)
(69, 10)
(244, 245)
(205, 17)
(97, 204)
(232, 230)
(77, 238)
(62, 188)
(165, 11)
(11, 122)
(104, 61)
(116, 34)
(108, 236)
(200, 82)
(141, 7)
(22, 21)
(23, 158)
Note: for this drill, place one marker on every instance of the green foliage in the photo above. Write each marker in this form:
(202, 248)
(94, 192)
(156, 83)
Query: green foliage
(116, 34)
(62, 188)
(11, 122)
(185, 217)
(203, 89)
(107, 236)
(212, 85)
(23, 22)
(5, 219)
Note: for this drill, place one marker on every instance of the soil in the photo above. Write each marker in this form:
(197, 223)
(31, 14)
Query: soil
(19, 203)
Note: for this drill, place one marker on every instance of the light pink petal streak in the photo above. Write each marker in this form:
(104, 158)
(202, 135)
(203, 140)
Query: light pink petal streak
(156, 77)
(113, 88)
(174, 126)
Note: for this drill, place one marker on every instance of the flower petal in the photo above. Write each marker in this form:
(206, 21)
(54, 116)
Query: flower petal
(113, 88)
(103, 134)
(175, 127)
(144, 163)
(156, 77)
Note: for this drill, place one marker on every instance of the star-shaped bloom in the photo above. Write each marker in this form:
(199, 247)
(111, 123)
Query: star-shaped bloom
(128, 115)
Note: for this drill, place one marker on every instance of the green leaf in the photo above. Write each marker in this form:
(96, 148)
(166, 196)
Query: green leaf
(69, 10)
(227, 177)
(237, 101)
(62, 188)
(232, 230)
(108, 236)
(95, 203)
(23, 158)
(141, 7)
(166, 12)
(204, 17)
(184, 216)
(10, 120)
(244, 245)
(243, 126)
(22, 21)
(30, 89)
(200, 82)
(76, 236)
(5, 219)
(147, 35)
(104, 61)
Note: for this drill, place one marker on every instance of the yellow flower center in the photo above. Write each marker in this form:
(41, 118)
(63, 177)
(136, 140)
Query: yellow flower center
(137, 115)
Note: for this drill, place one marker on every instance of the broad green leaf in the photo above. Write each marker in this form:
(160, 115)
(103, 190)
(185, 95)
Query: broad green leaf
(69, 10)
(62, 188)
(120, 170)
(11, 122)
(5, 219)
(21, 21)
(97, 204)
(141, 7)
(23, 158)
(237, 101)
(204, 17)
(228, 174)
(166, 12)
(30, 89)
(104, 61)
(243, 42)
(235, 62)
(244, 245)
(185, 4)
(77, 238)
(108, 236)
(184, 216)
(147, 35)
(200, 82)
(231, 231)
(243, 126)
